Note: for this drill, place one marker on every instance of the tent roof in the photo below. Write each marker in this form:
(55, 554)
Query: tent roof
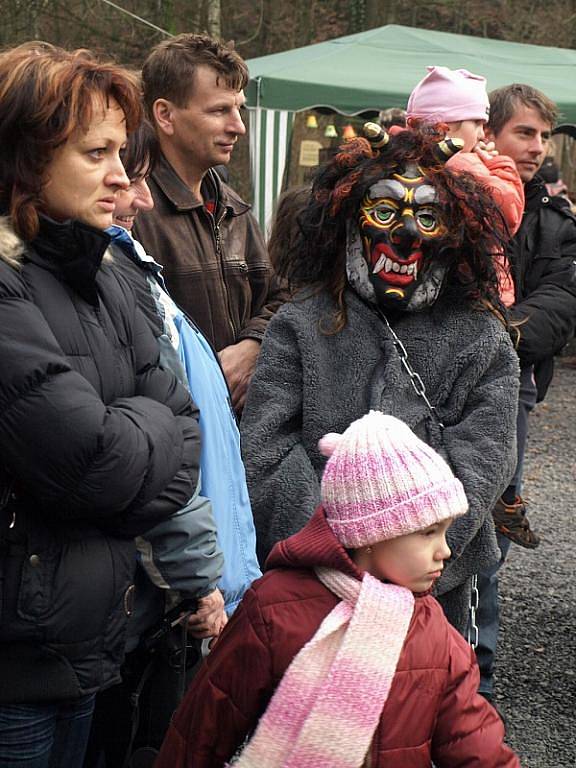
(377, 69)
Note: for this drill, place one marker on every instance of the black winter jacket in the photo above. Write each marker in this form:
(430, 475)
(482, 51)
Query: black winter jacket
(543, 259)
(97, 443)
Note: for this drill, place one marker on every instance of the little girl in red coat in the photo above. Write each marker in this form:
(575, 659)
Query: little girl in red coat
(338, 657)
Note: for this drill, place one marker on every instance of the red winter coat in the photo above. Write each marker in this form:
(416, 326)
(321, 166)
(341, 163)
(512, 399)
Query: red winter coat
(500, 177)
(432, 713)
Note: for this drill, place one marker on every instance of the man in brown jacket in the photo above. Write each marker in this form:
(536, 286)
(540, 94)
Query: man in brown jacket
(215, 261)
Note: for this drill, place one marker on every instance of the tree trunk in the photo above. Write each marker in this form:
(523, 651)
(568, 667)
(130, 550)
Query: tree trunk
(214, 18)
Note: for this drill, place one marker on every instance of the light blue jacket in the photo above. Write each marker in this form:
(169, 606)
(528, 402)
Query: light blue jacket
(223, 478)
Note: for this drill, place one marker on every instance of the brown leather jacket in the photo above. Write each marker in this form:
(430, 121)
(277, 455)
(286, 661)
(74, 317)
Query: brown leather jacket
(216, 266)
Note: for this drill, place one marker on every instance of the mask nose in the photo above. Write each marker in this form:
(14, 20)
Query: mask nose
(406, 236)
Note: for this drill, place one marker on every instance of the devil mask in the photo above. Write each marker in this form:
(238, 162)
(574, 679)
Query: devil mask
(393, 248)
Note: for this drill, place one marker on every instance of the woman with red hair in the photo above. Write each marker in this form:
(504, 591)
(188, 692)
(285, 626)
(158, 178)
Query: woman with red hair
(97, 443)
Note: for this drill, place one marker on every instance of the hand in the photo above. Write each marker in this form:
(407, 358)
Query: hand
(238, 362)
(486, 150)
(210, 617)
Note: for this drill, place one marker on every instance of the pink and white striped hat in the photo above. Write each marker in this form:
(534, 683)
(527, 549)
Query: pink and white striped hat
(382, 481)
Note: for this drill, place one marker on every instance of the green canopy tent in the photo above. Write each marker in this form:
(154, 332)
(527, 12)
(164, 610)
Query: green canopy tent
(374, 70)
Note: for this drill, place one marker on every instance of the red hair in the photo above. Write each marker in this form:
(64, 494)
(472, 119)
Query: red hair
(46, 95)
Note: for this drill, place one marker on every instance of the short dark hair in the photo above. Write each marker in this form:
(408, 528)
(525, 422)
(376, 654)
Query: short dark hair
(168, 72)
(142, 151)
(46, 94)
(505, 101)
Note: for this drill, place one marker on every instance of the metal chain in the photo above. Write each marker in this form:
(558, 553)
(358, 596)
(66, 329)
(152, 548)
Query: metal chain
(474, 601)
(415, 378)
(420, 390)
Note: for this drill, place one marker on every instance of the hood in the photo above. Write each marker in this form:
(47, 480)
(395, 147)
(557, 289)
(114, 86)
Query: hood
(11, 247)
(315, 545)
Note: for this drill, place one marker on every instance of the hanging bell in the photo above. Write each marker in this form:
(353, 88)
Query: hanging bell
(348, 132)
(331, 132)
(311, 121)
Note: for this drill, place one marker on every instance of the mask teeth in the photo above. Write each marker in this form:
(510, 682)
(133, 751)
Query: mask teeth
(379, 264)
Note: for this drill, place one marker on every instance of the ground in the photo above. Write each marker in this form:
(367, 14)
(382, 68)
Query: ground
(536, 675)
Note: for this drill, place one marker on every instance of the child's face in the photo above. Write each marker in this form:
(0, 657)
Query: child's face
(470, 131)
(414, 561)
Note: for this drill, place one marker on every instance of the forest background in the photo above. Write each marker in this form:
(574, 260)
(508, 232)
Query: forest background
(127, 29)
(260, 27)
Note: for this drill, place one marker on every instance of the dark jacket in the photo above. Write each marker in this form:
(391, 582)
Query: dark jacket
(543, 259)
(98, 444)
(433, 712)
(215, 265)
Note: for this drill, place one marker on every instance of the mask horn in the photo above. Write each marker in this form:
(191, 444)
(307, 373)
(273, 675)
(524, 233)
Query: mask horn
(376, 135)
(447, 148)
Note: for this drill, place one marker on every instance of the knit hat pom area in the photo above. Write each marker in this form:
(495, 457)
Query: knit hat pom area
(328, 444)
(381, 481)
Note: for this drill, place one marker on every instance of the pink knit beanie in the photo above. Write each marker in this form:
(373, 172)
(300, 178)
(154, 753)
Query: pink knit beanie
(381, 481)
(449, 95)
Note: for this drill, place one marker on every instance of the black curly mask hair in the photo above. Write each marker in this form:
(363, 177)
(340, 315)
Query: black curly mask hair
(473, 228)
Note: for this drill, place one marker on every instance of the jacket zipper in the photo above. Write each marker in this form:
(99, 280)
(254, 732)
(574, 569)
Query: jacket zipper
(218, 241)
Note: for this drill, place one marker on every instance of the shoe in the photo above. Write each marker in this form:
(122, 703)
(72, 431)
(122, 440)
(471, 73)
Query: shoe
(511, 521)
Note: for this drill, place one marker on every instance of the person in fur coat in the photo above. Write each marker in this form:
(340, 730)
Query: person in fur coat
(398, 310)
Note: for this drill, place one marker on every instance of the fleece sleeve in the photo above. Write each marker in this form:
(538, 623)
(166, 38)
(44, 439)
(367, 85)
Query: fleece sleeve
(479, 400)
(283, 484)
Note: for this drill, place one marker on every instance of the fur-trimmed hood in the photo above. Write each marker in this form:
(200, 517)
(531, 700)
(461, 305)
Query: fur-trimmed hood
(11, 246)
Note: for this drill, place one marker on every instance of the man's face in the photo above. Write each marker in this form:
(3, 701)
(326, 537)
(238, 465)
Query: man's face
(400, 226)
(524, 138)
(207, 128)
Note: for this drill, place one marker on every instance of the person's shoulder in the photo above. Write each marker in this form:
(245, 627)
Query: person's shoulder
(286, 586)
(230, 198)
(429, 635)
(539, 198)
(463, 317)
(429, 610)
(304, 303)
(562, 207)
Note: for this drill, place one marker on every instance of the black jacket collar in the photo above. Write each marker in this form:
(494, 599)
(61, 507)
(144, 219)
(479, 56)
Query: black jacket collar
(72, 249)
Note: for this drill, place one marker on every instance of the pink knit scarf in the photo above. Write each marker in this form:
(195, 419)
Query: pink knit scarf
(328, 704)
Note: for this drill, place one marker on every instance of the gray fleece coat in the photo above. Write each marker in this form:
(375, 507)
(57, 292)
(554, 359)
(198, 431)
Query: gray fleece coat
(309, 382)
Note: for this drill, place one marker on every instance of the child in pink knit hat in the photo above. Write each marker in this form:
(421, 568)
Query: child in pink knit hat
(339, 657)
(455, 98)
(455, 103)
